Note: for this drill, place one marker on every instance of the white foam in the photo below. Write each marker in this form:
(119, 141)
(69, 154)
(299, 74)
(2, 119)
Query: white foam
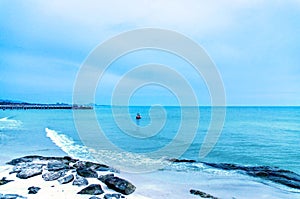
(125, 161)
(67, 144)
(9, 124)
(129, 162)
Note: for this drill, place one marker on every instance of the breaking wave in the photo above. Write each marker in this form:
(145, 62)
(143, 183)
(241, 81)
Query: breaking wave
(7, 123)
(68, 145)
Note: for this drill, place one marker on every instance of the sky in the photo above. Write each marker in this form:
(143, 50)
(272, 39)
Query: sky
(255, 46)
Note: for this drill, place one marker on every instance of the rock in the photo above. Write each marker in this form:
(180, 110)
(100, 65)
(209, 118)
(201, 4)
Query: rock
(91, 165)
(3, 181)
(66, 179)
(11, 196)
(80, 181)
(53, 175)
(94, 197)
(181, 160)
(93, 189)
(87, 172)
(21, 160)
(32, 158)
(202, 194)
(120, 185)
(55, 165)
(20, 166)
(274, 174)
(102, 178)
(30, 171)
(113, 196)
(23, 165)
(33, 190)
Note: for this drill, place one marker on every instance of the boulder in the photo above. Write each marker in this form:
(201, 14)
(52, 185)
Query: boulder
(202, 194)
(20, 166)
(11, 196)
(3, 181)
(113, 196)
(91, 165)
(93, 189)
(30, 171)
(33, 190)
(55, 165)
(80, 181)
(53, 175)
(66, 179)
(181, 160)
(102, 178)
(87, 172)
(120, 185)
(32, 158)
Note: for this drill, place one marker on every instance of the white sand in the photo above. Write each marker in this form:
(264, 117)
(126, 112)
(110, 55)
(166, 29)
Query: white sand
(157, 185)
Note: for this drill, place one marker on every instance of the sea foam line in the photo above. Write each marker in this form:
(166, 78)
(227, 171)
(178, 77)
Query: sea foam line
(68, 145)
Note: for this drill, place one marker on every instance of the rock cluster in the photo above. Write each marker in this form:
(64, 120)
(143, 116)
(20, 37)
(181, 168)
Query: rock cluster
(66, 170)
(274, 174)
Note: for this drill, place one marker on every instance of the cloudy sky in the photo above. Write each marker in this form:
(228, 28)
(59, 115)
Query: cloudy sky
(254, 44)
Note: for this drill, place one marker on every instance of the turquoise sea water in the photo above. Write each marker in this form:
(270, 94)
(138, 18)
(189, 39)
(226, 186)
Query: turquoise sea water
(252, 136)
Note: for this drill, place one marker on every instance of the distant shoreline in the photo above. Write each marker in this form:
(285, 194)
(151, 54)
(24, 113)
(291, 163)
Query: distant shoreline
(24, 106)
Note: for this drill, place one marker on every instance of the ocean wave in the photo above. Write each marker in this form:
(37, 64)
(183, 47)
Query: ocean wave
(7, 123)
(121, 160)
(68, 145)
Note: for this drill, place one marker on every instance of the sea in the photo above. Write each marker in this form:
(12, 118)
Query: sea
(250, 137)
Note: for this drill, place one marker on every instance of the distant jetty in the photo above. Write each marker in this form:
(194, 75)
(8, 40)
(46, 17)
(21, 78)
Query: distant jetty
(24, 106)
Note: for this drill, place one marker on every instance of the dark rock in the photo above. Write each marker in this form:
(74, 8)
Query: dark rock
(19, 167)
(87, 172)
(93, 189)
(66, 179)
(102, 178)
(23, 165)
(274, 174)
(53, 175)
(202, 194)
(91, 165)
(80, 181)
(3, 181)
(181, 160)
(31, 158)
(20, 160)
(11, 196)
(55, 165)
(113, 196)
(33, 190)
(94, 197)
(30, 171)
(120, 185)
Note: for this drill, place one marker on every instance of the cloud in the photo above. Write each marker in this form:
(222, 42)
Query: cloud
(247, 39)
(188, 16)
